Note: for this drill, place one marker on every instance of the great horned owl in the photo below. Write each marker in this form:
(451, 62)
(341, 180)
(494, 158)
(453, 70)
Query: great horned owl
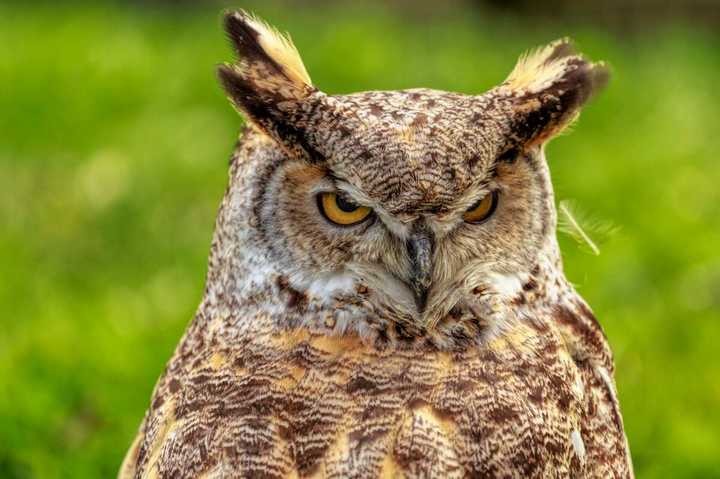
(385, 294)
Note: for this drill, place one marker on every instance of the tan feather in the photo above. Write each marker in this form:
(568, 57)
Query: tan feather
(536, 69)
(279, 48)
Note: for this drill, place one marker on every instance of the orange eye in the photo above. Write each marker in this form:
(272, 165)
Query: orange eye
(482, 210)
(341, 211)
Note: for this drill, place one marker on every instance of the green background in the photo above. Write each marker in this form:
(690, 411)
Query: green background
(114, 140)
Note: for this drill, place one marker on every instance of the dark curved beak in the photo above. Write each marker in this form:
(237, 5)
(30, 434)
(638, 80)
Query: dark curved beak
(420, 246)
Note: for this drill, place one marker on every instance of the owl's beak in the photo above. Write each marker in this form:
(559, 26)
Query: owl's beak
(420, 245)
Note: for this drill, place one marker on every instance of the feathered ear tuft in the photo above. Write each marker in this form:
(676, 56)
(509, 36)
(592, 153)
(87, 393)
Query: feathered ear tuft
(548, 88)
(269, 83)
(261, 46)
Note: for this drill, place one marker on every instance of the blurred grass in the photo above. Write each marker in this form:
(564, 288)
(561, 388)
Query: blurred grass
(114, 141)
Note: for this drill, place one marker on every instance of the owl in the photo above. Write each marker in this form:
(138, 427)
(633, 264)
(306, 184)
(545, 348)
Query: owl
(385, 295)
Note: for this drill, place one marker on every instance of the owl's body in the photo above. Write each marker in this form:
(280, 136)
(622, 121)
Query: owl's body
(434, 335)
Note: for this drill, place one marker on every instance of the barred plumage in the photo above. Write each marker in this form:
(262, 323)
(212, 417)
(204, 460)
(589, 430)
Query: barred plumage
(412, 343)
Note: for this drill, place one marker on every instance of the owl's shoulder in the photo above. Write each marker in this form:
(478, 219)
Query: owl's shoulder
(299, 402)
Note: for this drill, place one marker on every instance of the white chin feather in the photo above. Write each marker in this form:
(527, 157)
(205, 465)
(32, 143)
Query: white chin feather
(506, 285)
(326, 286)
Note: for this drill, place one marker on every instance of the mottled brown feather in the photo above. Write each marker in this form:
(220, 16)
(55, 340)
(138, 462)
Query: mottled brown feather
(308, 356)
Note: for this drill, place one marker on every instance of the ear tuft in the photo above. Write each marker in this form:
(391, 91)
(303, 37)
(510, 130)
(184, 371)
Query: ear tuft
(269, 83)
(257, 42)
(539, 69)
(549, 86)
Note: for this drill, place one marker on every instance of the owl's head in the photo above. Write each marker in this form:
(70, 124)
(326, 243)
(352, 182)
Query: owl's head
(415, 206)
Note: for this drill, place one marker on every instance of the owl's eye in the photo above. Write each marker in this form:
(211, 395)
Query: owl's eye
(482, 210)
(341, 211)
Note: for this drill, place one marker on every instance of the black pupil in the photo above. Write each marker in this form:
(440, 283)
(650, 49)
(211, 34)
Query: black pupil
(477, 203)
(346, 205)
